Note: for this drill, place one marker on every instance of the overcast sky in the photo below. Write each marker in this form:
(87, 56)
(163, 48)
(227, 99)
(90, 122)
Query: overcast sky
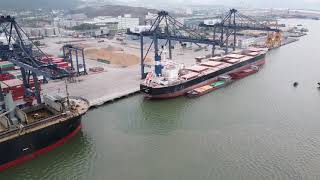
(303, 4)
(297, 4)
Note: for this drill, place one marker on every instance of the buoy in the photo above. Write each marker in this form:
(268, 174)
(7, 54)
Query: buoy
(295, 84)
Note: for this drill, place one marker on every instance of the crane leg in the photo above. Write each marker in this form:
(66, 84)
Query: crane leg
(37, 88)
(142, 58)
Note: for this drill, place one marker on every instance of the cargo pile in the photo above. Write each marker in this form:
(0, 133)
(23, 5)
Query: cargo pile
(203, 89)
(113, 56)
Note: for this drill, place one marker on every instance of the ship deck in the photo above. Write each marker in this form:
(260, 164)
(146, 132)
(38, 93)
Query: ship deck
(82, 104)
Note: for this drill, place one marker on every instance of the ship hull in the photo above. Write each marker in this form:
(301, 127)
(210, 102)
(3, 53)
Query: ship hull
(182, 89)
(30, 145)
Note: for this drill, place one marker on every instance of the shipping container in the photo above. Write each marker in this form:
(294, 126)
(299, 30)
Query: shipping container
(6, 65)
(15, 86)
(62, 64)
(16, 74)
(6, 76)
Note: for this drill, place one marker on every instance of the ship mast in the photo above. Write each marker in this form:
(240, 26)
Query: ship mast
(67, 92)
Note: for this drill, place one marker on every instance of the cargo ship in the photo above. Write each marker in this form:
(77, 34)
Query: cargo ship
(171, 79)
(26, 133)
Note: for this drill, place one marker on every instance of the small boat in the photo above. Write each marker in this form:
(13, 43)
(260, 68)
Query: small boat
(244, 73)
(200, 91)
(222, 82)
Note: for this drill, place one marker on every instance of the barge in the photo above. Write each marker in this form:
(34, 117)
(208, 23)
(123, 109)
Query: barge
(222, 82)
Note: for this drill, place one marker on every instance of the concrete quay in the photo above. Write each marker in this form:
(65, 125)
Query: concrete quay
(99, 88)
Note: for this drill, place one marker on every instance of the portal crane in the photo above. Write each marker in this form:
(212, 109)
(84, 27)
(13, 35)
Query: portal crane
(231, 24)
(21, 51)
(165, 27)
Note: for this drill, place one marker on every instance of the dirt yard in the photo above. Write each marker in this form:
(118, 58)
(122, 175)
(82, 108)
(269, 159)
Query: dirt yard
(113, 55)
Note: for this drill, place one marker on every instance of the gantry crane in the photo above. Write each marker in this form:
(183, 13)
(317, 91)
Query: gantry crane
(232, 23)
(21, 51)
(165, 27)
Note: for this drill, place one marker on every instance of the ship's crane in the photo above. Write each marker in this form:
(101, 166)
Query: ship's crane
(232, 23)
(165, 27)
(21, 51)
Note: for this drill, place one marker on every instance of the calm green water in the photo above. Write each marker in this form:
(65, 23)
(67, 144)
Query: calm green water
(257, 128)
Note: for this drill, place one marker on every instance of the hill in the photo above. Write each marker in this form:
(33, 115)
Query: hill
(113, 10)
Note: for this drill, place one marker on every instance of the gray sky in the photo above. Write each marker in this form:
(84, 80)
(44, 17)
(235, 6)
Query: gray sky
(303, 4)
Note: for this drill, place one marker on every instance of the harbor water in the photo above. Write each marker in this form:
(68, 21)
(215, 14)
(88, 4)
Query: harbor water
(260, 127)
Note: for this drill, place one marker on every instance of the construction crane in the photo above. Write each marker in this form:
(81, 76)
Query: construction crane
(21, 51)
(165, 27)
(231, 24)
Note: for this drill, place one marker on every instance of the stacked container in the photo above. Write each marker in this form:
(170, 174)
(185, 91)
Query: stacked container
(6, 66)
(62, 65)
(6, 76)
(15, 86)
(57, 61)
(15, 74)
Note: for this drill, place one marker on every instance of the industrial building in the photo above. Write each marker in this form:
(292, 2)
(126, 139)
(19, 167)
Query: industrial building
(127, 21)
(120, 22)
(66, 23)
(44, 32)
